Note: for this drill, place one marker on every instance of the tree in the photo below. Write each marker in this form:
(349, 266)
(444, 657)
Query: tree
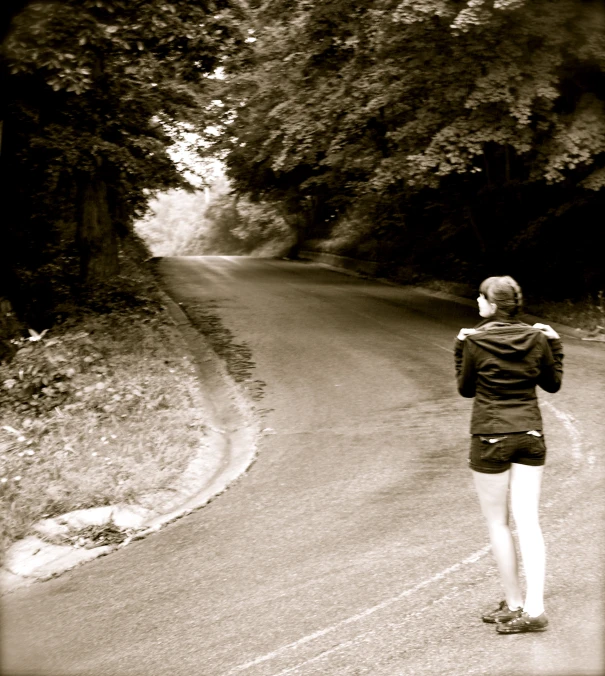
(98, 92)
(212, 222)
(234, 226)
(392, 108)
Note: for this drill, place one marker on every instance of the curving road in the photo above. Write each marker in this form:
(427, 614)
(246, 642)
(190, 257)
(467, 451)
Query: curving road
(354, 544)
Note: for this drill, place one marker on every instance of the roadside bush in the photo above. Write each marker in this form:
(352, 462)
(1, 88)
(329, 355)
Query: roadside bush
(103, 408)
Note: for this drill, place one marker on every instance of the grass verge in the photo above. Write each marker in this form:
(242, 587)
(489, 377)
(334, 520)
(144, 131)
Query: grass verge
(103, 409)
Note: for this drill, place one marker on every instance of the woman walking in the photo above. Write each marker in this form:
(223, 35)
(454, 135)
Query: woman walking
(499, 363)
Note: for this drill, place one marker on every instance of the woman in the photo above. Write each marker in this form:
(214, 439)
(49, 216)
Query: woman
(499, 363)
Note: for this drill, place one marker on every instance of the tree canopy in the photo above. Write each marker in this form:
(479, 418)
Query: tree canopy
(98, 90)
(384, 91)
(440, 132)
(386, 106)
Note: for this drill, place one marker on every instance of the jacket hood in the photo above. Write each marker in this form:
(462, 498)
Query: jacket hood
(506, 340)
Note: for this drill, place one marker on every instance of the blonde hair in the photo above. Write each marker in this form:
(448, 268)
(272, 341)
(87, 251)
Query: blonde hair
(504, 292)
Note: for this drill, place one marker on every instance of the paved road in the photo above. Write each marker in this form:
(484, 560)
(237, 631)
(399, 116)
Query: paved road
(354, 545)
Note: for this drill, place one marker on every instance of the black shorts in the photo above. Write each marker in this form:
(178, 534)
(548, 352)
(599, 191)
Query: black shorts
(494, 453)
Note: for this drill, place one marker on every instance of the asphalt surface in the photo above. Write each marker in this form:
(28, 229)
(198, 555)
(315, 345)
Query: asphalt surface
(354, 544)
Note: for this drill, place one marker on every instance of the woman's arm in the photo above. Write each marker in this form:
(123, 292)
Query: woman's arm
(551, 365)
(466, 376)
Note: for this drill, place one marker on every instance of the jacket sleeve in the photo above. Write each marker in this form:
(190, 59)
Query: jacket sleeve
(551, 366)
(466, 375)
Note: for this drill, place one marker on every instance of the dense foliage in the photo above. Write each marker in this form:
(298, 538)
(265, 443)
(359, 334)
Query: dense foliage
(98, 90)
(213, 222)
(101, 410)
(464, 137)
(238, 227)
(449, 132)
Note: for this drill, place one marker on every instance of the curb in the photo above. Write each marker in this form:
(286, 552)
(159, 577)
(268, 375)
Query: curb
(360, 268)
(227, 452)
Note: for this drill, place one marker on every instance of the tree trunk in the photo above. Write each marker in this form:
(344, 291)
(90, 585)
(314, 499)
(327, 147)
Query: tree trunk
(97, 239)
(476, 231)
(297, 225)
(292, 213)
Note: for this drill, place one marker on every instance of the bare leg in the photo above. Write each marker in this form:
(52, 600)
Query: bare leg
(492, 490)
(525, 487)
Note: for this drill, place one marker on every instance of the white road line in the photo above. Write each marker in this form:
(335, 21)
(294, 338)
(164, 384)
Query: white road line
(367, 634)
(473, 558)
(571, 428)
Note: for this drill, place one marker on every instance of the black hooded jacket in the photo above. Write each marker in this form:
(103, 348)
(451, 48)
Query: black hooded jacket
(500, 366)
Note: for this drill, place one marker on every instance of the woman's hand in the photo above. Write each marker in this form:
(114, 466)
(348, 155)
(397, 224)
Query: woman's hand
(465, 332)
(548, 331)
